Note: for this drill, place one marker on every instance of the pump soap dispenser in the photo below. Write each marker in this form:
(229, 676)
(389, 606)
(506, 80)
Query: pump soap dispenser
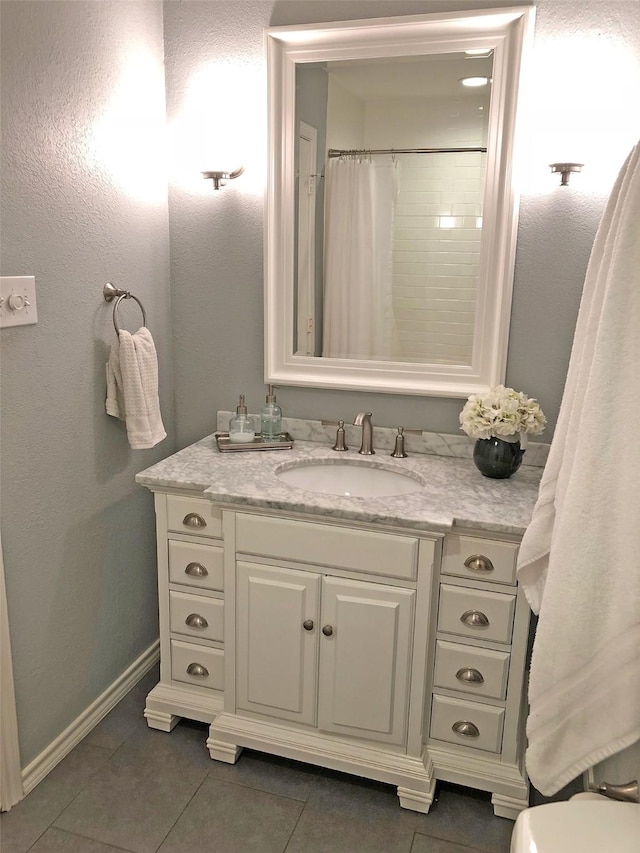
(270, 418)
(241, 426)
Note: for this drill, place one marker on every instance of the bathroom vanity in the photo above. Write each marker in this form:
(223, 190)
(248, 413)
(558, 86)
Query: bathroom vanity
(384, 637)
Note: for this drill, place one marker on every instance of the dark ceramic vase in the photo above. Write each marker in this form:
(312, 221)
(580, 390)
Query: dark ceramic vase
(497, 458)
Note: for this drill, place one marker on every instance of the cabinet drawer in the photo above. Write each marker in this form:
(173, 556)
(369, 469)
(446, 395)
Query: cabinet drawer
(196, 616)
(467, 723)
(324, 545)
(476, 613)
(197, 665)
(472, 670)
(481, 559)
(196, 565)
(191, 515)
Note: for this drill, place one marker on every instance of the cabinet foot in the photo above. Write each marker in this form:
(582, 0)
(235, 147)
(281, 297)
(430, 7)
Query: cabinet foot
(509, 807)
(220, 751)
(417, 801)
(160, 720)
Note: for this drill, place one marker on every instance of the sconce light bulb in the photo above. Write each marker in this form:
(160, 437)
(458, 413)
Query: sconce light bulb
(475, 81)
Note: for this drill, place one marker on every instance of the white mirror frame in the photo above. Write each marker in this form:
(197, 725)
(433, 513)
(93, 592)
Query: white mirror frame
(508, 32)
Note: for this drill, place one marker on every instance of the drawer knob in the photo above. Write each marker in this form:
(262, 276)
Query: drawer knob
(468, 675)
(327, 630)
(474, 619)
(192, 519)
(197, 670)
(194, 620)
(464, 727)
(196, 570)
(308, 624)
(479, 563)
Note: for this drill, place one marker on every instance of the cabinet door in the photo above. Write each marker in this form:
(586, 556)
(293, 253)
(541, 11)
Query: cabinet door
(277, 641)
(365, 651)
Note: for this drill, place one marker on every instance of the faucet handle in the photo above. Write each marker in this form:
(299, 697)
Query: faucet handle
(340, 443)
(399, 451)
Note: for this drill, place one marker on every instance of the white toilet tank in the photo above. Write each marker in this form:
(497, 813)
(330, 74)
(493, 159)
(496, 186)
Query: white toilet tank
(582, 825)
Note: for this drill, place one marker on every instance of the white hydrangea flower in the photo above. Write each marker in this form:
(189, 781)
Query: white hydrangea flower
(501, 412)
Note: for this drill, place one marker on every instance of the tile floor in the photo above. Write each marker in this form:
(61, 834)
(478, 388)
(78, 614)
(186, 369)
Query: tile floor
(126, 787)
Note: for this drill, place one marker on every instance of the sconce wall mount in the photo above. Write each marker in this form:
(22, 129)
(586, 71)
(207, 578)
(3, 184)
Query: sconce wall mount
(220, 178)
(565, 170)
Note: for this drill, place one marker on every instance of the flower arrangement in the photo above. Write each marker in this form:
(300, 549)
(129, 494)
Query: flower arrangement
(501, 412)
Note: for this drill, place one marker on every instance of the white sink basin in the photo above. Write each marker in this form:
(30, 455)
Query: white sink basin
(349, 479)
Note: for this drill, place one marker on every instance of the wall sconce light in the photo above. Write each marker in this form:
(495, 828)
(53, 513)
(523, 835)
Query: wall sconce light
(220, 178)
(565, 170)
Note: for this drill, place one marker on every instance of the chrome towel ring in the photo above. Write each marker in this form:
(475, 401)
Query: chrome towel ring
(110, 292)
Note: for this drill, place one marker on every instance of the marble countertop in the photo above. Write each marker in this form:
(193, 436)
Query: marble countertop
(453, 493)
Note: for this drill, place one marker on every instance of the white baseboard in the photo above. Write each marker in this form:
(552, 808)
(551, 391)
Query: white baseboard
(90, 717)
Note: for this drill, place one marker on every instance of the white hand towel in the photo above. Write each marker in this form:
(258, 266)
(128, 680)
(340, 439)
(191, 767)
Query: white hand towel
(132, 388)
(579, 562)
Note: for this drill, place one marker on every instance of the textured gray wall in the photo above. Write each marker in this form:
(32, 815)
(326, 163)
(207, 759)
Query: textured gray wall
(216, 242)
(77, 533)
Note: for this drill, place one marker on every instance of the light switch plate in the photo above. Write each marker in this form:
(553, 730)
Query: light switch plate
(17, 300)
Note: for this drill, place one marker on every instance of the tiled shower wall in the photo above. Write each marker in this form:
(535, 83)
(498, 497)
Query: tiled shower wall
(436, 256)
(438, 222)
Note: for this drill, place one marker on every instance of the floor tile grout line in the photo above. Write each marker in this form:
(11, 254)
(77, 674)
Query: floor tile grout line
(51, 824)
(186, 805)
(85, 838)
(253, 788)
(291, 834)
(463, 844)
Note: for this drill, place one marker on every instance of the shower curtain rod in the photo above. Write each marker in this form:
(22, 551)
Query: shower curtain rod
(337, 152)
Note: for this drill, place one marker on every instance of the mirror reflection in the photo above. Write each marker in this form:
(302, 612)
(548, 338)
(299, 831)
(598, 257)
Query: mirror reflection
(390, 167)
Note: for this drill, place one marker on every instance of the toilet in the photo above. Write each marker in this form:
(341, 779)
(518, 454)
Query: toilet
(587, 823)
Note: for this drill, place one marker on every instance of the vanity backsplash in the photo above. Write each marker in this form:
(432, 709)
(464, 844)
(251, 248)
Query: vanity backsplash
(432, 443)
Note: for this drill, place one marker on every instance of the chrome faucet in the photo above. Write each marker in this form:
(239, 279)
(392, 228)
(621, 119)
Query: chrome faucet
(363, 419)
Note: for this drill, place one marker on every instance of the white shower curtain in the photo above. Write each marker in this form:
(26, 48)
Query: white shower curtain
(359, 218)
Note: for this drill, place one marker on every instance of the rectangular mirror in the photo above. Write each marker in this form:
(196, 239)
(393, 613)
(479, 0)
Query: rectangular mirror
(391, 206)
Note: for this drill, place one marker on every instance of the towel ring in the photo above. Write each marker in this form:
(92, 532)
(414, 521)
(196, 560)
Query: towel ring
(110, 292)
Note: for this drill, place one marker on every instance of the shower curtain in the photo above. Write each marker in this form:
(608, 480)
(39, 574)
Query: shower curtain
(359, 219)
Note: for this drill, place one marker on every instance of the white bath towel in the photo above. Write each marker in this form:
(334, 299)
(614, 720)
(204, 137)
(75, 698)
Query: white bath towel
(579, 562)
(132, 388)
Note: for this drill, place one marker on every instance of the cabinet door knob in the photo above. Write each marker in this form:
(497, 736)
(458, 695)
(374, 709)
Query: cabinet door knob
(192, 519)
(194, 620)
(468, 675)
(308, 624)
(196, 570)
(474, 618)
(327, 630)
(479, 563)
(464, 727)
(197, 670)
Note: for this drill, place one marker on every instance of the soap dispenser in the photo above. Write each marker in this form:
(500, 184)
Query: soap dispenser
(270, 418)
(241, 426)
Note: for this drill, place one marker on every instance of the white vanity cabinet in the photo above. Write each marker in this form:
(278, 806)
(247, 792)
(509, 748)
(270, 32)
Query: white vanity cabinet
(477, 711)
(325, 658)
(191, 611)
(389, 653)
(323, 651)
